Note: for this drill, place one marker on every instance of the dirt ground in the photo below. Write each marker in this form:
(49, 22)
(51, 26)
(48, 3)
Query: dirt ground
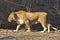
(22, 35)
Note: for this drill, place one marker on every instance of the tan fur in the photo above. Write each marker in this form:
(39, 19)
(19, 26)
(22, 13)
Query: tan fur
(30, 17)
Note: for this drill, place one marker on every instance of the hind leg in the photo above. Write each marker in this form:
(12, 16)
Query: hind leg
(48, 26)
(44, 28)
(53, 27)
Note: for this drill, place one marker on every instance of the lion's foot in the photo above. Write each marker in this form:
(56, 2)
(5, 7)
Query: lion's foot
(42, 31)
(48, 31)
(28, 31)
(15, 30)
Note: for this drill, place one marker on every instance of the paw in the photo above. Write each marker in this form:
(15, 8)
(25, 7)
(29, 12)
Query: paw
(15, 30)
(48, 31)
(42, 31)
(28, 31)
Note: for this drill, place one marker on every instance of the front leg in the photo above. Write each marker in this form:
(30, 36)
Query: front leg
(17, 28)
(27, 26)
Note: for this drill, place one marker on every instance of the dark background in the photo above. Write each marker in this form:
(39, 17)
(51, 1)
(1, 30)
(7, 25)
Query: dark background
(50, 6)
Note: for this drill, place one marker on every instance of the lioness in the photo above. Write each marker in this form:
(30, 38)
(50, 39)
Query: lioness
(27, 18)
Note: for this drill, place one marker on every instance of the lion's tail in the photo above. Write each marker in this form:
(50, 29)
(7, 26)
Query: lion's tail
(48, 17)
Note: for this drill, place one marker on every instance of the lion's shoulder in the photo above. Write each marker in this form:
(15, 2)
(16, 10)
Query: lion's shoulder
(21, 12)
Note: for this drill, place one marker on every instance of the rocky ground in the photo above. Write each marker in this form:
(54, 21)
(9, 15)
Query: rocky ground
(22, 35)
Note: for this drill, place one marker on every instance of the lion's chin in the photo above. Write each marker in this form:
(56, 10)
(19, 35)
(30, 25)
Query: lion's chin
(9, 20)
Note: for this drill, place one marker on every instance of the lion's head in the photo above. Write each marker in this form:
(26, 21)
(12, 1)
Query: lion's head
(11, 17)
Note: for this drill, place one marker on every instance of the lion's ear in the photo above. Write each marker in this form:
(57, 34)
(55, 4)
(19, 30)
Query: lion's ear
(13, 12)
